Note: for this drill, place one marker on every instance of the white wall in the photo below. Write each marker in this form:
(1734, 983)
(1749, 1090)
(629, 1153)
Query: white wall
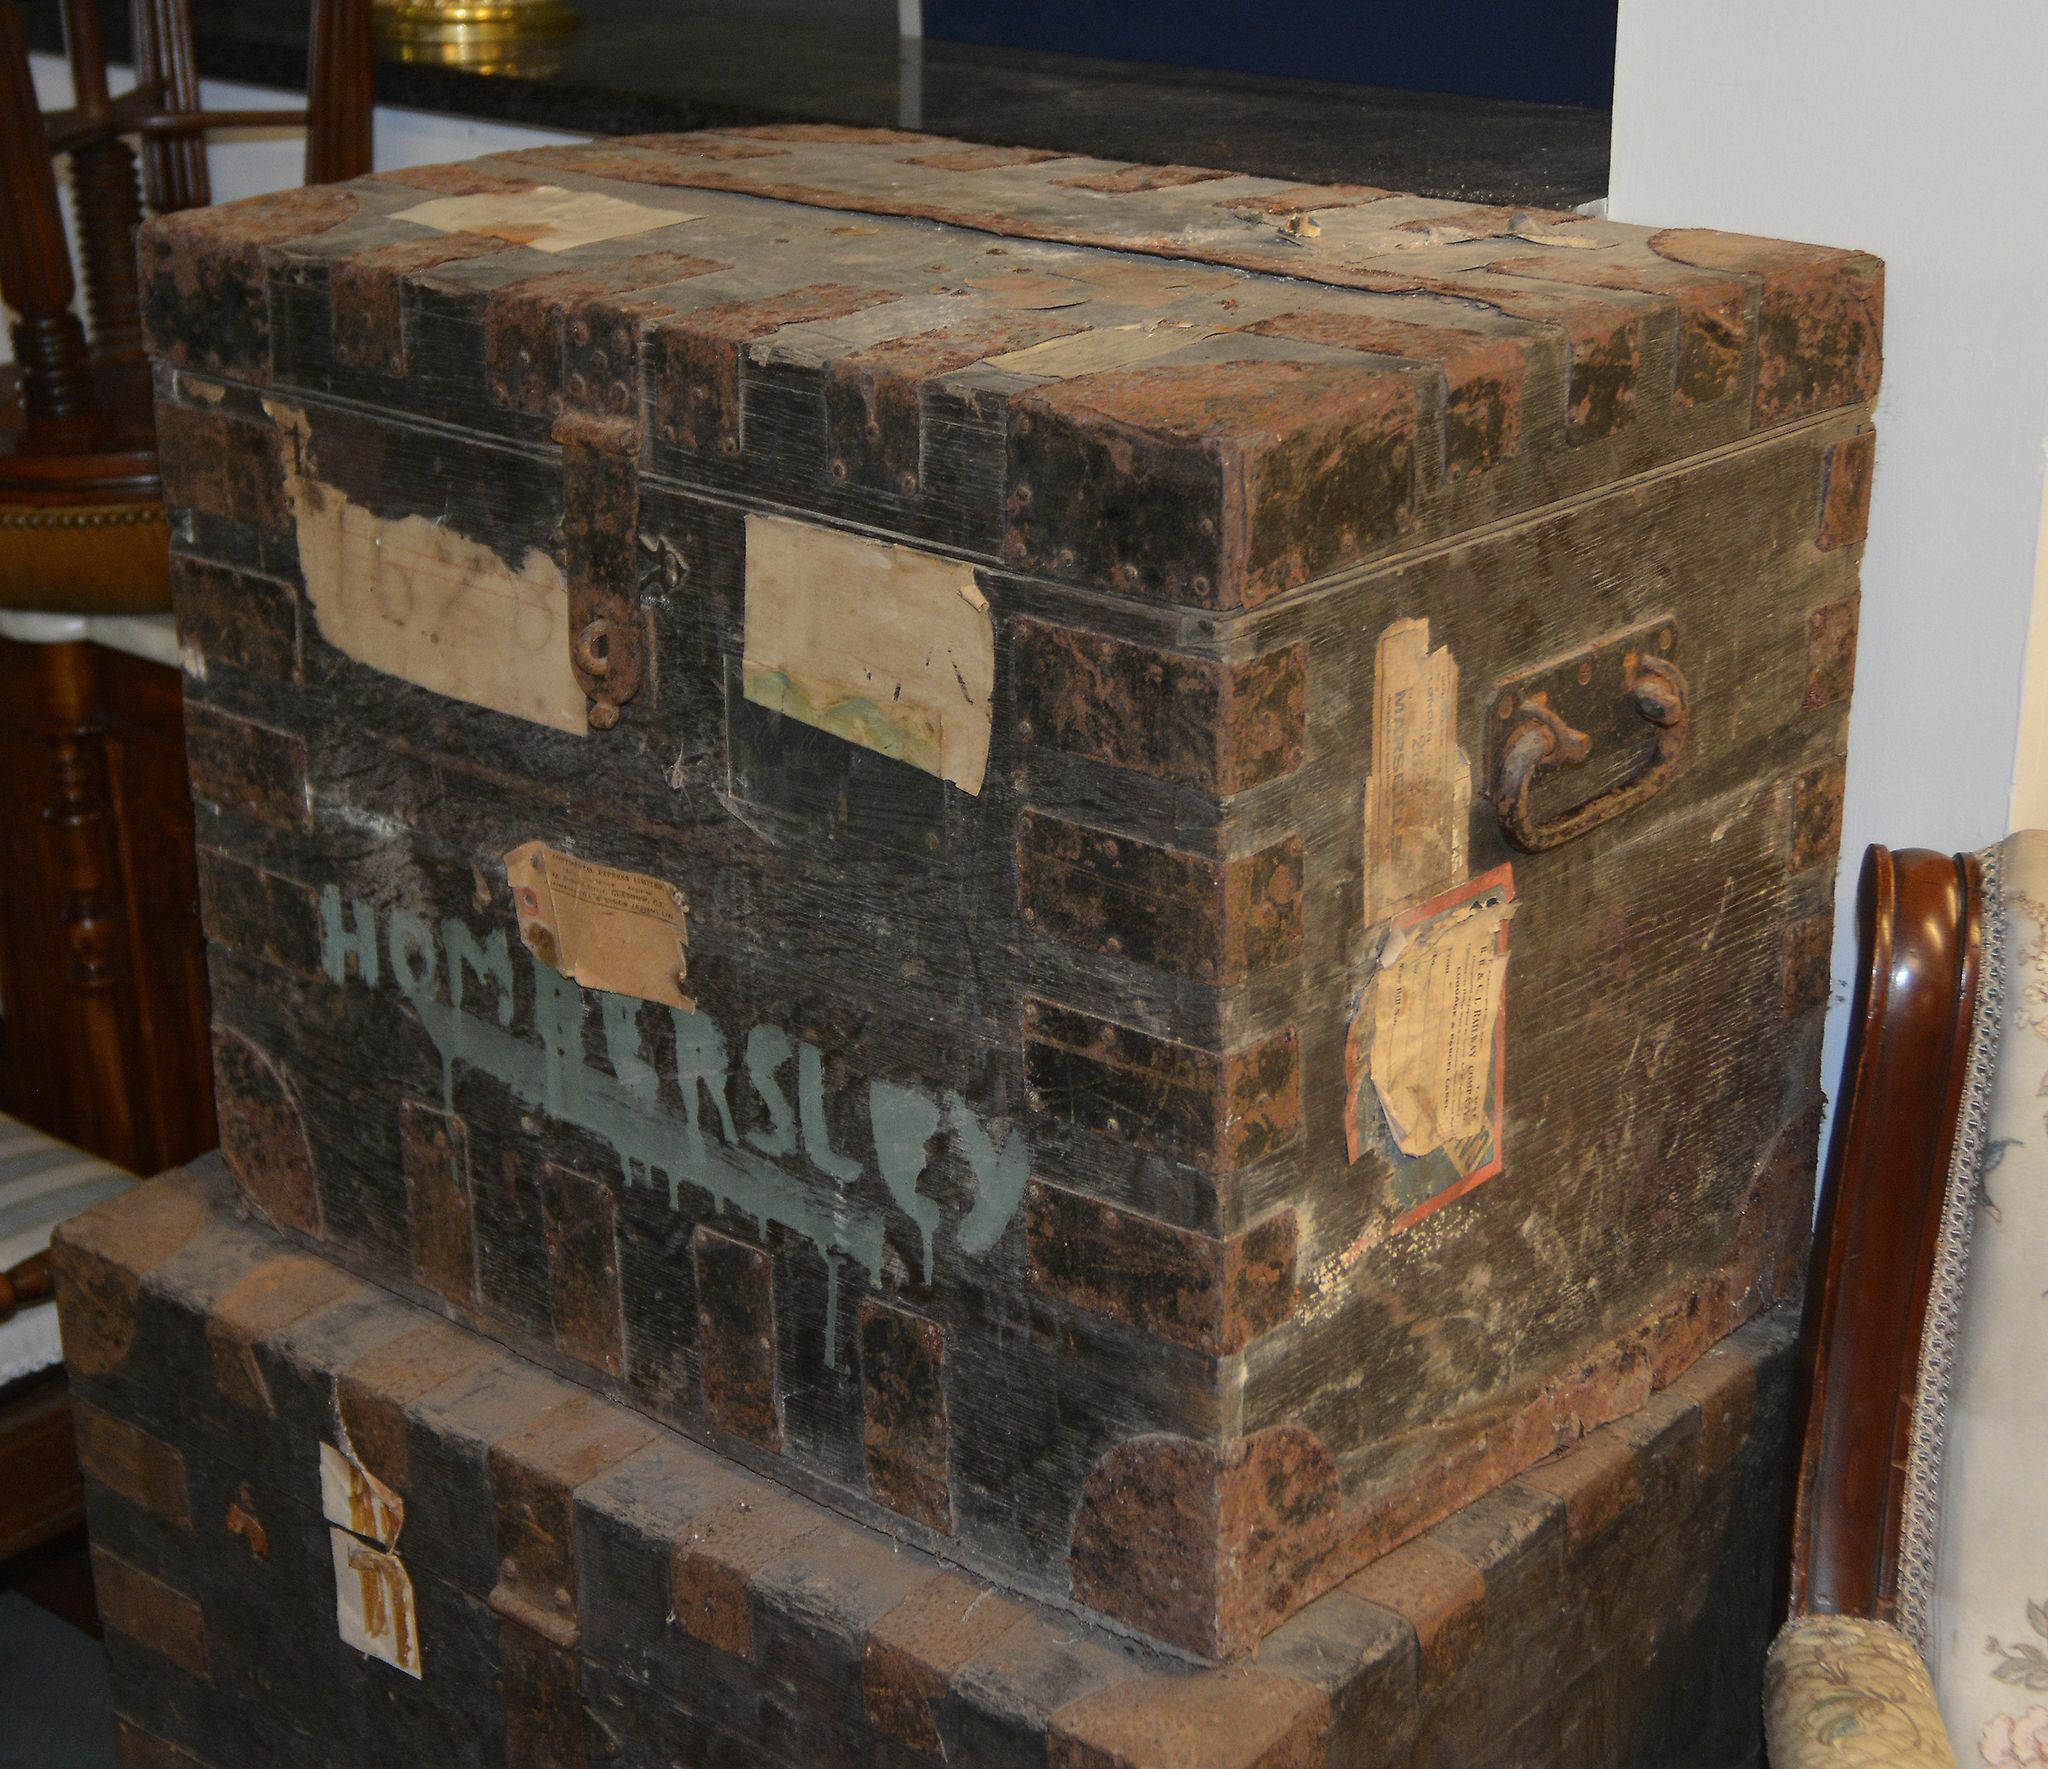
(1917, 131)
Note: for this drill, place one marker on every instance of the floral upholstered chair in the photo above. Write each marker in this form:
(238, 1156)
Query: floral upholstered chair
(1920, 1559)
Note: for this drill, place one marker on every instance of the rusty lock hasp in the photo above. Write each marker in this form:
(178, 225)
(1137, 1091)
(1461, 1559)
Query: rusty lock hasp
(600, 547)
(1553, 716)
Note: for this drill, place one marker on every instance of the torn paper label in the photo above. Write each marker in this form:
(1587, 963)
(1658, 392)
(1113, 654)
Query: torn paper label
(1435, 1004)
(353, 1497)
(547, 218)
(884, 646)
(1418, 797)
(601, 926)
(1104, 349)
(1427, 1050)
(373, 1607)
(418, 600)
(1575, 232)
(1042, 282)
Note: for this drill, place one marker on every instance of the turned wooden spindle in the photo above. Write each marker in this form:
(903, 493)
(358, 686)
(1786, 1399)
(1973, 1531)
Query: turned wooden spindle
(79, 858)
(107, 196)
(174, 172)
(25, 1283)
(83, 429)
(35, 268)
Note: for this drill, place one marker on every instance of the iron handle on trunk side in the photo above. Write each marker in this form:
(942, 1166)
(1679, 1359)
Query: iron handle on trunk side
(1539, 739)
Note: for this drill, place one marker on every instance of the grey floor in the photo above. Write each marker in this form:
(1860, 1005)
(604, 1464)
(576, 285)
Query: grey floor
(58, 1711)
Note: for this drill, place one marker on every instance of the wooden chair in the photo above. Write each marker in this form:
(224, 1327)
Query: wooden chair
(82, 525)
(1922, 1512)
(101, 964)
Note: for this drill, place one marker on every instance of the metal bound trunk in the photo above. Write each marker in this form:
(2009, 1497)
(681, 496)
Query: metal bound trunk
(1124, 867)
(334, 1532)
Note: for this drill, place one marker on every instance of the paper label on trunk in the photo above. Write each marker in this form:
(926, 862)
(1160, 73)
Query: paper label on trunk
(420, 601)
(547, 218)
(373, 1607)
(1418, 797)
(602, 926)
(881, 645)
(1436, 1003)
(1103, 350)
(1427, 1055)
(353, 1497)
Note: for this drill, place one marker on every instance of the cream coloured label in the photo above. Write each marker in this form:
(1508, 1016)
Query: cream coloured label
(602, 926)
(373, 1602)
(881, 645)
(547, 218)
(422, 602)
(1436, 1014)
(373, 1606)
(1103, 349)
(353, 1497)
(1418, 797)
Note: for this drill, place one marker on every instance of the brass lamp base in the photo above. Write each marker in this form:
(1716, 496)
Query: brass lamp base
(482, 36)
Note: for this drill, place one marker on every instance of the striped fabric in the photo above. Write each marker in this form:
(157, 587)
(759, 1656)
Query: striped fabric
(42, 1181)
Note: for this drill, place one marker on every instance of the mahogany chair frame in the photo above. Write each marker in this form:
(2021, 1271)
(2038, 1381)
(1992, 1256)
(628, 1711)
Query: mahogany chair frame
(1920, 919)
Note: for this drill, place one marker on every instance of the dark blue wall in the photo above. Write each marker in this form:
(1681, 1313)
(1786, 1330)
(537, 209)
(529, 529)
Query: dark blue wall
(1551, 51)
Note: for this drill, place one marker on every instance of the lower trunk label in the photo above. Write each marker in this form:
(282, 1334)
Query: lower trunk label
(1427, 1049)
(373, 1606)
(353, 1497)
(373, 1602)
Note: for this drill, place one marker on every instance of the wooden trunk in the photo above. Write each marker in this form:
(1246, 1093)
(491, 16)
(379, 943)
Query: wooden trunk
(1125, 868)
(334, 1532)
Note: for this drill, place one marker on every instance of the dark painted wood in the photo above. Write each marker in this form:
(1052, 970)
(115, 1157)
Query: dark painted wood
(23, 1283)
(80, 495)
(338, 90)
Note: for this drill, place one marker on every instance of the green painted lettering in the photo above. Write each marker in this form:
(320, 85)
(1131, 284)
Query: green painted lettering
(768, 1049)
(487, 960)
(413, 959)
(554, 1072)
(1000, 1174)
(354, 939)
(810, 1111)
(905, 1120)
(700, 1064)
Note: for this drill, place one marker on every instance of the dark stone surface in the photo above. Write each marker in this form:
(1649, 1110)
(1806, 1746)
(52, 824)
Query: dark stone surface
(640, 65)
